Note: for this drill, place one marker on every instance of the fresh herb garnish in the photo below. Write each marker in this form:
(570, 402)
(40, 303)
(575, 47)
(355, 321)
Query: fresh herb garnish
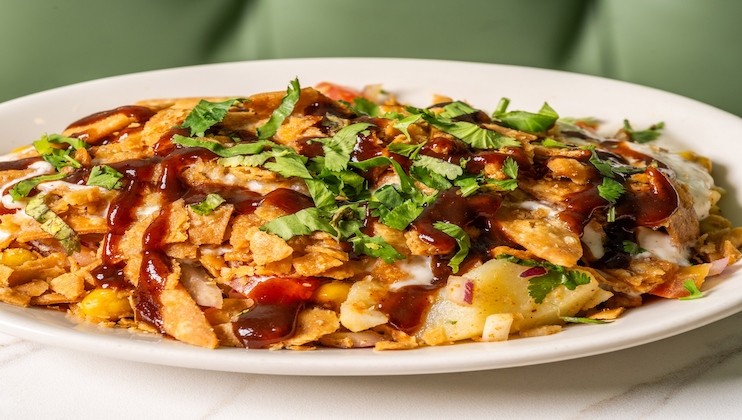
(525, 121)
(583, 320)
(206, 206)
(695, 292)
(105, 176)
(23, 188)
(339, 147)
(285, 108)
(440, 167)
(58, 157)
(375, 246)
(206, 114)
(643, 136)
(632, 248)
(611, 190)
(52, 224)
(462, 240)
(302, 222)
(556, 275)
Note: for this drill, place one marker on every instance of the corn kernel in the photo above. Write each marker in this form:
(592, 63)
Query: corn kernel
(332, 294)
(14, 257)
(106, 305)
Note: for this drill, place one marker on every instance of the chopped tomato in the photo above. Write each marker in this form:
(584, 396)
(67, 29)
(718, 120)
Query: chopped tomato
(337, 92)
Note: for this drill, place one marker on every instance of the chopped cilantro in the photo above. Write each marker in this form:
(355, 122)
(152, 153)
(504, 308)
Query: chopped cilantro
(643, 136)
(208, 204)
(611, 190)
(462, 239)
(526, 121)
(226, 151)
(540, 286)
(375, 246)
(206, 114)
(550, 142)
(476, 136)
(23, 188)
(57, 157)
(321, 193)
(695, 292)
(403, 125)
(339, 147)
(429, 178)
(52, 224)
(302, 222)
(510, 167)
(456, 109)
(362, 106)
(407, 150)
(105, 176)
(468, 185)
(440, 167)
(632, 248)
(285, 108)
(583, 320)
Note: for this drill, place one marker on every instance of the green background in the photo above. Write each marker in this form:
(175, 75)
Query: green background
(690, 47)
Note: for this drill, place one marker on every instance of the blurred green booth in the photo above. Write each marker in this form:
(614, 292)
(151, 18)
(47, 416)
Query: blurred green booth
(690, 47)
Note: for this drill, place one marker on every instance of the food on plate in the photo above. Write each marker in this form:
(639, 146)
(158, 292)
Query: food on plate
(332, 217)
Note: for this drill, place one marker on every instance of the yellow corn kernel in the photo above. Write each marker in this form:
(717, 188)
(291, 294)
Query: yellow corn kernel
(332, 294)
(14, 257)
(106, 305)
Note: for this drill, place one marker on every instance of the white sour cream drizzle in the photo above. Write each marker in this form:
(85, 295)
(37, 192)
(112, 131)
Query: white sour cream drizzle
(419, 269)
(38, 168)
(660, 245)
(698, 180)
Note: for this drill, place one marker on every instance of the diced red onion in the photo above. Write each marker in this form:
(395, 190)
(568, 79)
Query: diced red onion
(460, 290)
(534, 271)
(718, 266)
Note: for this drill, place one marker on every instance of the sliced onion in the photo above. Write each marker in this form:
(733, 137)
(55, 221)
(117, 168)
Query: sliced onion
(534, 271)
(718, 266)
(460, 290)
(200, 286)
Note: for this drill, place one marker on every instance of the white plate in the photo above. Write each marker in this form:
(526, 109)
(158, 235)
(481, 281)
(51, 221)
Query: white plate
(707, 130)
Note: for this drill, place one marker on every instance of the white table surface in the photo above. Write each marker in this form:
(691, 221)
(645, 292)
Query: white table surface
(694, 375)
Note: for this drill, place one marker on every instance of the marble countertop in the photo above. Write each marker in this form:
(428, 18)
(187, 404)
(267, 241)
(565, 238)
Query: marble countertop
(697, 374)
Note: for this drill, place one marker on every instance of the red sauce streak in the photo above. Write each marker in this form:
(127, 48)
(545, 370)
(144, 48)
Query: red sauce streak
(653, 207)
(278, 302)
(139, 114)
(407, 307)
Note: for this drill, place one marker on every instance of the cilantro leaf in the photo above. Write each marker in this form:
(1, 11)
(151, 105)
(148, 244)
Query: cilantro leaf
(526, 121)
(320, 192)
(405, 182)
(402, 215)
(476, 136)
(643, 136)
(550, 142)
(339, 147)
(632, 248)
(556, 275)
(468, 185)
(510, 167)
(429, 178)
(291, 165)
(362, 106)
(106, 177)
(285, 108)
(611, 190)
(583, 320)
(23, 188)
(208, 204)
(462, 239)
(205, 115)
(375, 246)
(302, 222)
(695, 292)
(226, 151)
(57, 157)
(404, 124)
(503, 184)
(52, 224)
(440, 167)
(407, 150)
(457, 109)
